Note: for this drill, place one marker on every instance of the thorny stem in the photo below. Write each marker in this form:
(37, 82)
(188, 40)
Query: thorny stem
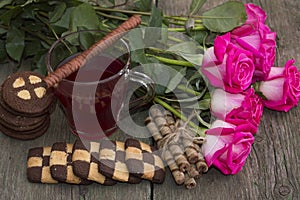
(188, 90)
(116, 17)
(200, 130)
(197, 28)
(178, 18)
(171, 61)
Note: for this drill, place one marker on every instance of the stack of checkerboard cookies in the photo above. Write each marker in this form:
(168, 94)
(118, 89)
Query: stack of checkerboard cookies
(105, 162)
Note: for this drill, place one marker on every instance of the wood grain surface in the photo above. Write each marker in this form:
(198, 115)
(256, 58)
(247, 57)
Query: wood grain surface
(271, 170)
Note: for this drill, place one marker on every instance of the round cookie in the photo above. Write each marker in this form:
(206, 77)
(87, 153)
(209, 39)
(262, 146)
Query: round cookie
(27, 115)
(26, 92)
(29, 136)
(23, 128)
(17, 120)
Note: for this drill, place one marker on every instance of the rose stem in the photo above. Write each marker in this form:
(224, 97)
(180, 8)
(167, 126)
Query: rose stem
(200, 130)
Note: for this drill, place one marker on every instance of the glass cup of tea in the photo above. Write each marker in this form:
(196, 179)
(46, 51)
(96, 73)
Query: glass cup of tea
(88, 97)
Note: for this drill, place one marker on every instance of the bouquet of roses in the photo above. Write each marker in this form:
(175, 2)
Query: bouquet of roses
(238, 70)
(240, 66)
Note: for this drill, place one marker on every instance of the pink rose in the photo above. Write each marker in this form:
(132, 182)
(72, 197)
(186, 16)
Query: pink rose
(281, 88)
(255, 12)
(227, 147)
(244, 109)
(228, 66)
(257, 37)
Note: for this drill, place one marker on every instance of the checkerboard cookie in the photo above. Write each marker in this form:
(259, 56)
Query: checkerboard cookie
(85, 160)
(112, 162)
(143, 162)
(61, 164)
(38, 169)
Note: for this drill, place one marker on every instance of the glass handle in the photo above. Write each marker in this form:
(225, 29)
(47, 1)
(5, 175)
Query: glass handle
(149, 85)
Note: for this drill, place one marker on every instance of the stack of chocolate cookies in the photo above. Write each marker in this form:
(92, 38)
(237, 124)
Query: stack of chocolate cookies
(25, 105)
(105, 162)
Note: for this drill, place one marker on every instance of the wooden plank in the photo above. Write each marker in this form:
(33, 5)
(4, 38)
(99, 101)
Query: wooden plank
(13, 171)
(272, 169)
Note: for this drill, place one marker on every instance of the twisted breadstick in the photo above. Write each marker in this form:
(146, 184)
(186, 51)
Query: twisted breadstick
(77, 62)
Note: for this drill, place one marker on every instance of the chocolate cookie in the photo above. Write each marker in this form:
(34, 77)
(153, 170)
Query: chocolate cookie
(17, 119)
(26, 135)
(143, 162)
(26, 92)
(38, 169)
(85, 161)
(61, 164)
(24, 127)
(112, 162)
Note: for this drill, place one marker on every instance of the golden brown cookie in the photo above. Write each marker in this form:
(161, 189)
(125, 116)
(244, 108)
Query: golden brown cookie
(143, 161)
(61, 164)
(38, 169)
(112, 162)
(85, 161)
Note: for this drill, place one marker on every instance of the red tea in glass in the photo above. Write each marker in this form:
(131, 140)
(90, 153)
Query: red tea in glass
(88, 97)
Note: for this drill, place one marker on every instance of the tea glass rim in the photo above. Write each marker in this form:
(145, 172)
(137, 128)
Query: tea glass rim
(50, 69)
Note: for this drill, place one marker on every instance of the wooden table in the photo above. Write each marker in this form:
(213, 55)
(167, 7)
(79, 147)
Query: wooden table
(271, 171)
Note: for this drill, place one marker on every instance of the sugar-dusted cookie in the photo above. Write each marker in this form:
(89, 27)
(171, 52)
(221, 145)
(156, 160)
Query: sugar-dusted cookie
(61, 164)
(143, 162)
(26, 92)
(112, 161)
(85, 161)
(38, 169)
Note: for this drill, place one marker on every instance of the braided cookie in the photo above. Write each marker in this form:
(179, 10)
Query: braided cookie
(61, 164)
(85, 161)
(143, 162)
(38, 169)
(112, 162)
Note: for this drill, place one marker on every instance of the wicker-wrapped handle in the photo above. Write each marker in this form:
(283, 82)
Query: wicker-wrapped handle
(73, 65)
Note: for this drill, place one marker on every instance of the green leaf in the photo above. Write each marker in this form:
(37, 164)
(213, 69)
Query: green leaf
(154, 33)
(84, 15)
(160, 74)
(195, 6)
(5, 2)
(87, 39)
(9, 15)
(2, 30)
(65, 19)
(189, 51)
(184, 47)
(15, 43)
(175, 80)
(32, 47)
(225, 17)
(3, 55)
(203, 104)
(195, 59)
(145, 5)
(137, 45)
(57, 12)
